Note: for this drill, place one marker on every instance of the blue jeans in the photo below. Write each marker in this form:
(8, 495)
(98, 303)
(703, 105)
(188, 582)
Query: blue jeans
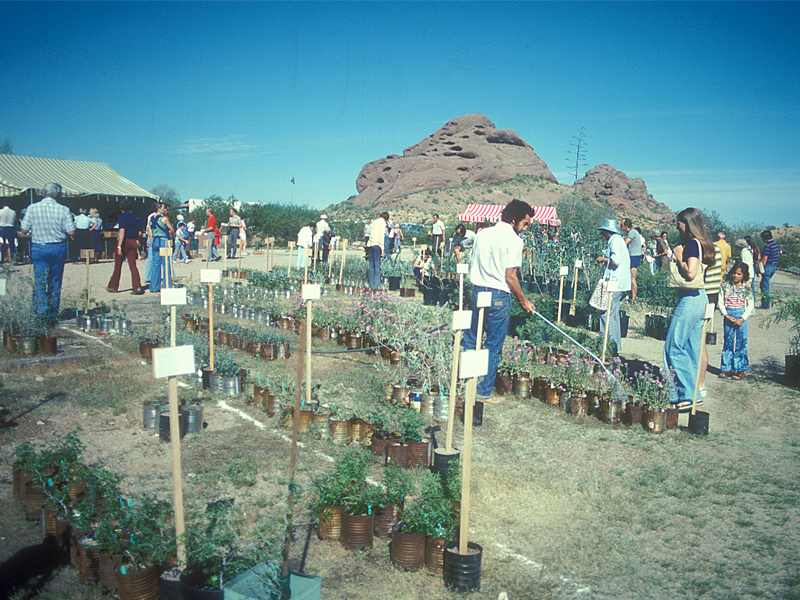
(302, 257)
(734, 350)
(682, 346)
(614, 331)
(157, 266)
(769, 271)
(495, 323)
(148, 265)
(374, 267)
(180, 252)
(48, 267)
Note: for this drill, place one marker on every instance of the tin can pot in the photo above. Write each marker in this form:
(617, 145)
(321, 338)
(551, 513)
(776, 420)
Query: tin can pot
(356, 531)
(656, 420)
(408, 550)
(330, 523)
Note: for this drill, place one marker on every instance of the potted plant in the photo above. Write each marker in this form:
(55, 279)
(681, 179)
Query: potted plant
(388, 507)
(787, 309)
(656, 396)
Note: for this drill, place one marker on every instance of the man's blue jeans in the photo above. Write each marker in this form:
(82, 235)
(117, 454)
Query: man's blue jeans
(10, 236)
(495, 324)
(48, 268)
(180, 251)
(614, 330)
(374, 267)
(769, 271)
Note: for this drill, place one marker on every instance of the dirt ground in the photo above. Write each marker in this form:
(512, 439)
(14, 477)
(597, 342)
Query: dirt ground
(563, 508)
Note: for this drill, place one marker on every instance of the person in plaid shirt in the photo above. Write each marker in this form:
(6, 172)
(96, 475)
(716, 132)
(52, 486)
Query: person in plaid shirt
(50, 224)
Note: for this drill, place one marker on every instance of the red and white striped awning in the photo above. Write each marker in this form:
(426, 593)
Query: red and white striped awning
(479, 213)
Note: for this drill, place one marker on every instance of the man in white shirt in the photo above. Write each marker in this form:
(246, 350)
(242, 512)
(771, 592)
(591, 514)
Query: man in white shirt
(375, 249)
(438, 235)
(304, 240)
(321, 227)
(8, 233)
(496, 256)
(617, 267)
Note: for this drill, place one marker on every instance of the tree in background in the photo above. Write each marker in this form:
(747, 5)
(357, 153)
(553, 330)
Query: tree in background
(577, 158)
(167, 194)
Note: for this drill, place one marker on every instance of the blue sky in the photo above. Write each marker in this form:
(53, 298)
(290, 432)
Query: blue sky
(701, 100)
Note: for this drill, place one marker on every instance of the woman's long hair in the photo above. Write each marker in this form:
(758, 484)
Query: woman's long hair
(695, 228)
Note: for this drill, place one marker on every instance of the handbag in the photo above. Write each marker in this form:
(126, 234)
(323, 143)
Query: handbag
(676, 280)
(759, 267)
(600, 296)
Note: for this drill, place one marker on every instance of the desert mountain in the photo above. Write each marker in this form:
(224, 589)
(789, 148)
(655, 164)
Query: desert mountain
(469, 160)
(625, 195)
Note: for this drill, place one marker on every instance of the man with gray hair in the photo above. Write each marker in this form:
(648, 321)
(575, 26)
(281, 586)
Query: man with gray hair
(50, 224)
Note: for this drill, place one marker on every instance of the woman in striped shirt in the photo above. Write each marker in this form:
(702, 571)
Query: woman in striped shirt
(736, 305)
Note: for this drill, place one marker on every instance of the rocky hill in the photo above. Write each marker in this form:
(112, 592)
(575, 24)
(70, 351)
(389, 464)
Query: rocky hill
(469, 160)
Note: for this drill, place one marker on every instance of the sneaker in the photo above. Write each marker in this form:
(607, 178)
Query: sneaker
(188, 260)
(701, 394)
(491, 400)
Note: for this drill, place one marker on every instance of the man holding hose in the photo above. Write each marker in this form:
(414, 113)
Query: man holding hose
(496, 256)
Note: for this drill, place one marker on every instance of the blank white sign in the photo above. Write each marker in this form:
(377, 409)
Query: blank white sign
(484, 299)
(210, 275)
(462, 319)
(474, 363)
(311, 291)
(176, 360)
(563, 271)
(462, 268)
(173, 296)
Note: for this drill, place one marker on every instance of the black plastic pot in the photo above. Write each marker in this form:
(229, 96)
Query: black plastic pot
(394, 283)
(429, 296)
(442, 460)
(698, 423)
(624, 321)
(164, 429)
(463, 573)
(191, 583)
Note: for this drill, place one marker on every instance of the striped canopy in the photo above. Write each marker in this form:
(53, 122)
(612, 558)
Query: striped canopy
(479, 213)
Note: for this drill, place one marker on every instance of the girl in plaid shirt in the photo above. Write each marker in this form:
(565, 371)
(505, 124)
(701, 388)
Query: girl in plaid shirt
(736, 304)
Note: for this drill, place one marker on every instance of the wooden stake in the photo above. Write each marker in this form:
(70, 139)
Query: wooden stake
(305, 276)
(702, 348)
(211, 326)
(330, 262)
(225, 256)
(177, 484)
(308, 352)
(605, 335)
(172, 324)
(574, 306)
(293, 460)
(453, 385)
(209, 245)
(344, 256)
(560, 297)
(291, 248)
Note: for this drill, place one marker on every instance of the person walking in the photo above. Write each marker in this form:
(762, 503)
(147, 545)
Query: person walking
(8, 233)
(211, 227)
(398, 239)
(181, 242)
(437, 232)
(127, 248)
(190, 227)
(234, 222)
(616, 268)
(736, 304)
(148, 265)
(305, 238)
(83, 237)
(159, 230)
(496, 256)
(769, 260)
(691, 256)
(634, 242)
(376, 249)
(243, 238)
(758, 266)
(50, 225)
(97, 233)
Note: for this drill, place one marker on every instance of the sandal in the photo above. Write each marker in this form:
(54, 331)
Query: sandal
(724, 374)
(738, 376)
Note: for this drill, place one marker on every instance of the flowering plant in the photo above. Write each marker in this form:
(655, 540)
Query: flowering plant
(652, 387)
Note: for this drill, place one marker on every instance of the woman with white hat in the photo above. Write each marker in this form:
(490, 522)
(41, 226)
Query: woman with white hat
(616, 267)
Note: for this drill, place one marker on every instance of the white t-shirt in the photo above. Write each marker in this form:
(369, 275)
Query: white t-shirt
(438, 228)
(7, 216)
(304, 237)
(495, 250)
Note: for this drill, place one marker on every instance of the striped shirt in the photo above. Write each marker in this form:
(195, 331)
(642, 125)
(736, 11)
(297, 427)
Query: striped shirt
(48, 221)
(771, 251)
(736, 296)
(713, 276)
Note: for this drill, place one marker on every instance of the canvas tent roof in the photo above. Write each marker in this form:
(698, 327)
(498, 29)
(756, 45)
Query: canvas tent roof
(20, 174)
(478, 213)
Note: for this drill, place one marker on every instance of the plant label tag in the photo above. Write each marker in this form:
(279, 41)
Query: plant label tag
(210, 275)
(2, 287)
(612, 286)
(462, 268)
(176, 360)
(474, 363)
(462, 319)
(484, 299)
(311, 291)
(413, 239)
(709, 314)
(87, 253)
(173, 296)
(578, 264)
(290, 244)
(165, 251)
(563, 271)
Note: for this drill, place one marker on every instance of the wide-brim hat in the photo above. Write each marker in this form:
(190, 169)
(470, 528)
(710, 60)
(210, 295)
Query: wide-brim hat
(609, 225)
(324, 217)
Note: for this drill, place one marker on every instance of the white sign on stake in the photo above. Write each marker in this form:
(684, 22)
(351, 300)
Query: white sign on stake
(709, 311)
(173, 296)
(474, 363)
(210, 275)
(2, 287)
(172, 361)
(462, 268)
(484, 299)
(563, 271)
(462, 319)
(311, 291)
(578, 264)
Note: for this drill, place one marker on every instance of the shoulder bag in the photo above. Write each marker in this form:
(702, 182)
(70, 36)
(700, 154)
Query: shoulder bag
(600, 296)
(676, 280)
